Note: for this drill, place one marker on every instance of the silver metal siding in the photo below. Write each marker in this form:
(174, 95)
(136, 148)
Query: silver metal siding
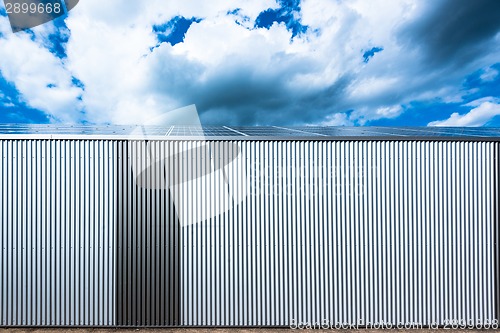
(337, 231)
(57, 265)
(391, 247)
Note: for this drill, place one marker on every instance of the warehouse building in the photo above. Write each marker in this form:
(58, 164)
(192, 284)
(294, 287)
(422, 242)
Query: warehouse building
(248, 226)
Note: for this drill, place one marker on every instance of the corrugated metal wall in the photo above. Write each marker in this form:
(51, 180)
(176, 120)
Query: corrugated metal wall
(308, 231)
(57, 233)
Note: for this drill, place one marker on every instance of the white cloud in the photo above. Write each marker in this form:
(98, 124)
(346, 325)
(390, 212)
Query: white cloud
(389, 111)
(489, 74)
(337, 119)
(478, 102)
(39, 76)
(483, 112)
(364, 114)
(234, 74)
(5, 101)
(126, 82)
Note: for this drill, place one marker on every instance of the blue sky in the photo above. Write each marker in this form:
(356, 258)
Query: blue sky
(265, 62)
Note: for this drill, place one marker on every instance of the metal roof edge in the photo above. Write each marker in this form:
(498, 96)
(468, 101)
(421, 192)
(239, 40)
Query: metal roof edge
(98, 137)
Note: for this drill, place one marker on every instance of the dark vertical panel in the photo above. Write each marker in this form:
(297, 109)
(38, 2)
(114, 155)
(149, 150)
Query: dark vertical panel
(147, 239)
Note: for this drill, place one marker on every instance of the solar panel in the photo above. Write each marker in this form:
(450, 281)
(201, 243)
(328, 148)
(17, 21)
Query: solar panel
(273, 131)
(325, 131)
(240, 132)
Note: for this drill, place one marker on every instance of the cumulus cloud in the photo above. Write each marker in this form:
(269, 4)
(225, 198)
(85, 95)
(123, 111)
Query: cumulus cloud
(349, 63)
(337, 119)
(483, 111)
(5, 101)
(489, 74)
(39, 75)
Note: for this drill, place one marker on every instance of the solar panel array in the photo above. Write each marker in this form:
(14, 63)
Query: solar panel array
(251, 131)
